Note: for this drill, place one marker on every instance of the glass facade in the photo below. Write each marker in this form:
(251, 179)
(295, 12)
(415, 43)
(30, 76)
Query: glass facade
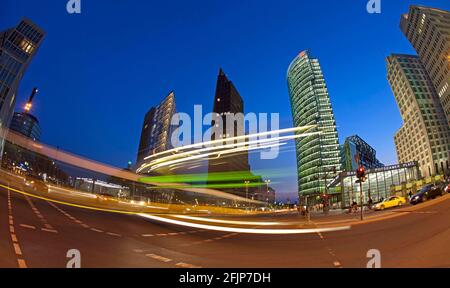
(156, 130)
(425, 135)
(27, 125)
(318, 154)
(428, 30)
(355, 147)
(17, 47)
(379, 184)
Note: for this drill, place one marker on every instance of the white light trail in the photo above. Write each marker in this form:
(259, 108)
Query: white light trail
(244, 230)
(227, 221)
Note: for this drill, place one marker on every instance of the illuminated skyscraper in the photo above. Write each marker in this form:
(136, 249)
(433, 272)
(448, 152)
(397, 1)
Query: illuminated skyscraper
(17, 47)
(227, 101)
(318, 154)
(428, 30)
(156, 130)
(425, 135)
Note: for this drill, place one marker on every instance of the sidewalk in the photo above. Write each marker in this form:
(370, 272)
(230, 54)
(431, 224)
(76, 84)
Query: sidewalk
(343, 218)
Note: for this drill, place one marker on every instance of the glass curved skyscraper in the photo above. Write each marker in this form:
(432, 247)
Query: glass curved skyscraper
(318, 158)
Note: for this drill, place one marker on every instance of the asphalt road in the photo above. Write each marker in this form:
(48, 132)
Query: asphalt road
(36, 233)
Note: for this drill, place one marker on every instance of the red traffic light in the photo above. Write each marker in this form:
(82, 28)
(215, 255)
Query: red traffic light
(361, 172)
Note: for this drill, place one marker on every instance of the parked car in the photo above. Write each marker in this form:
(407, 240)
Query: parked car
(446, 187)
(427, 192)
(394, 201)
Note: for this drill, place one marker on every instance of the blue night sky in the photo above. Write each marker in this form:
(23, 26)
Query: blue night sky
(100, 71)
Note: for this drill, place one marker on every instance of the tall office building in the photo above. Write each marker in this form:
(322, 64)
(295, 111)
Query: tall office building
(425, 134)
(319, 154)
(17, 47)
(428, 30)
(228, 101)
(355, 148)
(157, 130)
(26, 124)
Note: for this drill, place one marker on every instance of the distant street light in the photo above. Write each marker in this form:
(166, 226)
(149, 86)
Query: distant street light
(267, 190)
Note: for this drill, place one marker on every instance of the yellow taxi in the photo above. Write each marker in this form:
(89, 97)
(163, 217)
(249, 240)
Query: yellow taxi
(394, 201)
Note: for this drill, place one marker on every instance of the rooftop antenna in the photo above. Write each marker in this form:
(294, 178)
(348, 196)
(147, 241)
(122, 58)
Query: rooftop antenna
(30, 100)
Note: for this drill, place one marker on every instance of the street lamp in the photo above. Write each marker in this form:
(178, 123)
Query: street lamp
(267, 190)
(246, 188)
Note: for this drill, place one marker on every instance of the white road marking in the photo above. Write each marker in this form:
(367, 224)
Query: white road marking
(159, 258)
(96, 230)
(28, 226)
(49, 230)
(186, 265)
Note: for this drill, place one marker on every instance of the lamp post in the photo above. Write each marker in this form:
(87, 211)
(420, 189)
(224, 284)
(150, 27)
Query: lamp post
(246, 189)
(267, 190)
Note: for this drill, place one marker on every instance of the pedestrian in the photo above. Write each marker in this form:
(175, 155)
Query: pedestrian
(370, 203)
(355, 206)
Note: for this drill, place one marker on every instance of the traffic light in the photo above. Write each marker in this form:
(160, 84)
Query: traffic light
(361, 173)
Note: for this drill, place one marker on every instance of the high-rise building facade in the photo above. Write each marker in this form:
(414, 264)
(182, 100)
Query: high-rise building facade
(318, 154)
(157, 129)
(17, 47)
(428, 30)
(425, 135)
(26, 124)
(354, 149)
(228, 101)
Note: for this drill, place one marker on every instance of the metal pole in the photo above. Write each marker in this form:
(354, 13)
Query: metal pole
(361, 198)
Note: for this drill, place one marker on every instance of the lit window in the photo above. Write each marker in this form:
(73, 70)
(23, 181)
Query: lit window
(26, 46)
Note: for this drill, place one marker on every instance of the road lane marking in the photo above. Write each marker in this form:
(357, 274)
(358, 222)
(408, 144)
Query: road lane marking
(79, 222)
(49, 230)
(22, 264)
(186, 265)
(165, 259)
(17, 249)
(27, 226)
(210, 240)
(171, 234)
(39, 215)
(336, 262)
(15, 241)
(159, 258)
(97, 230)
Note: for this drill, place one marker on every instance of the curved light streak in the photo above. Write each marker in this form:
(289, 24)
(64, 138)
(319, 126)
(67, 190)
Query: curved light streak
(201, 144)
(244, 230)
(237, 147)
(227, 221)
